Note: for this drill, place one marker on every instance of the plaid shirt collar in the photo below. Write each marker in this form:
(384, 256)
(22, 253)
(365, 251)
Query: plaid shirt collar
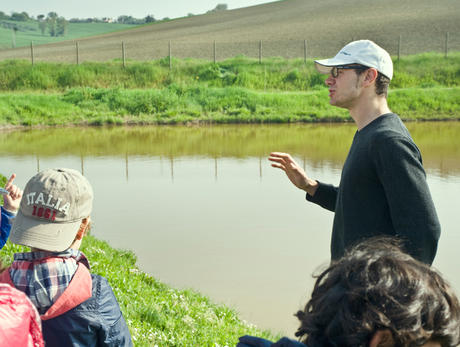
(44, 276)
(40, 255)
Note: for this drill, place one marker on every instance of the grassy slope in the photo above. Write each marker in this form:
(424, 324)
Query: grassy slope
(156, 313)
(237, 90)
(206, 105)
(283, 26)
(30, 32)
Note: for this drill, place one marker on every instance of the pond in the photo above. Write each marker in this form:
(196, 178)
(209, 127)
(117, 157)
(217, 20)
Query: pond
(202, 208)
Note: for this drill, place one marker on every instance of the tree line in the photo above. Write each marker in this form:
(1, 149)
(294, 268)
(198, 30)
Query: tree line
(56, 25)
(52, 23)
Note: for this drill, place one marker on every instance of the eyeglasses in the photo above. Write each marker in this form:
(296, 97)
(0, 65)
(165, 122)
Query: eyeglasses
(335, 69)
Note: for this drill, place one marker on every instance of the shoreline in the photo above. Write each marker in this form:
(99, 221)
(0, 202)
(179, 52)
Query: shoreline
(157, 313)
(203, 123)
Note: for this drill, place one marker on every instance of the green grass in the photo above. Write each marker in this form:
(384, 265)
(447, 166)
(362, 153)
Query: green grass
(175, 104)
(239, 90)
(29, 31)
(274, 74)
(156, 313)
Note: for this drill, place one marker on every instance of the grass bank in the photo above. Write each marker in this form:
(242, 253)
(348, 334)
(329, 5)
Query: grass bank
(238, 90)
(176, 104)
(156, 313)
(274, 74)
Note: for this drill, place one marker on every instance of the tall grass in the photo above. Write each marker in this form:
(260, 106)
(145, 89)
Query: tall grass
(180, 104)
(275, 74)
(238, 90)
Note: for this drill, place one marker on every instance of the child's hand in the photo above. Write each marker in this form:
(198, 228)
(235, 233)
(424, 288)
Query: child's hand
(13, 199)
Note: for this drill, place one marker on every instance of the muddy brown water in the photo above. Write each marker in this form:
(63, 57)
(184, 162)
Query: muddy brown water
(202, 208)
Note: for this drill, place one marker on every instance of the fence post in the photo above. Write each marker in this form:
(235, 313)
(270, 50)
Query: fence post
(399, 48)
(123, 53)
(260, 52)
(77, 52)
(32, 52)
(447, 43)
(305, 51)
(169, 48)
(214, 51)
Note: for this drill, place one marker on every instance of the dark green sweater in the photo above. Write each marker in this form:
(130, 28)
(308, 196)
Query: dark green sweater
(383, 190)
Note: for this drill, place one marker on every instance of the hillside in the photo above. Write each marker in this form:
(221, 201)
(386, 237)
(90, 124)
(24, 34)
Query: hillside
(29, 31)
(283, 26)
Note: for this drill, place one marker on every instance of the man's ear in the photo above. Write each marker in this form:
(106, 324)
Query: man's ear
(370, 76)
(382, 338)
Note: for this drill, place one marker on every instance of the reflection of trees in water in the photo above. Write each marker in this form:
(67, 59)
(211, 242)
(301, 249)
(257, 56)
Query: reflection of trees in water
(313, 144)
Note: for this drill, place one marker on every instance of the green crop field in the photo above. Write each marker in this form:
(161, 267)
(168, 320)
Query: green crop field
(30, 32)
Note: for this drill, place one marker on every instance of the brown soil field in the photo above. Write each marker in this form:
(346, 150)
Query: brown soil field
(414, 25)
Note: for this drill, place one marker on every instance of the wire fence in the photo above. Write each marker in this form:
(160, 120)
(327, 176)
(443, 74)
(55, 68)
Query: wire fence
(137, 50)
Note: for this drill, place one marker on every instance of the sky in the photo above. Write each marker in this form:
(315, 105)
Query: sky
(112, 9)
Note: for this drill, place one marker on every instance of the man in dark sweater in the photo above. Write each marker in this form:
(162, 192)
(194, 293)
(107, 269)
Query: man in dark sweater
(383, 188)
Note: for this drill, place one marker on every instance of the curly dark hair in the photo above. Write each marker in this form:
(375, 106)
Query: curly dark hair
(381, 83)
(376, 286)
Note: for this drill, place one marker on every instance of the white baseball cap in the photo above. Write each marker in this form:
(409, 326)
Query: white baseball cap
(53, 205)
(363, 52)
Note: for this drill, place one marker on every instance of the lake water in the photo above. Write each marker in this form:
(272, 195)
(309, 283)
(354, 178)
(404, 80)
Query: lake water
(202, 208)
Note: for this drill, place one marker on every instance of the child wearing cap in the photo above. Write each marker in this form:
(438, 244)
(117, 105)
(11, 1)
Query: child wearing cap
(11, 198)
(77, 308)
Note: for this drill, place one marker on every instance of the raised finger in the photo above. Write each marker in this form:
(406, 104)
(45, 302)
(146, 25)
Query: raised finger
(277, 160)
(280, 155)
(9, 183)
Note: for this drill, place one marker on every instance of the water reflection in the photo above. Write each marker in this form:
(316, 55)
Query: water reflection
(318, 144)
(202, 208)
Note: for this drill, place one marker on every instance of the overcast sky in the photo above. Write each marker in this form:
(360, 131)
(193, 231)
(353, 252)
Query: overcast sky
(112, 8)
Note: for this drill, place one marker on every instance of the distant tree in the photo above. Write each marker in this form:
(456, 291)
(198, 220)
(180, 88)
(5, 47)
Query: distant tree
(219, 7)
(41, 17)
(190, 14)
(52, 15)
(3, 15)
(130, 20)
(15, 30)
(149, 19)
(61, 26)
(42, 26)
(124, 19)
(51, 21)
(20, 17)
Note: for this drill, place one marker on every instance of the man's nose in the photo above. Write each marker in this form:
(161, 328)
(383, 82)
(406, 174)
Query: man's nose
(329, 81)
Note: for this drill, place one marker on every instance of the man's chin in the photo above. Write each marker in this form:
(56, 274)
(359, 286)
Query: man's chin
(333, 102)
